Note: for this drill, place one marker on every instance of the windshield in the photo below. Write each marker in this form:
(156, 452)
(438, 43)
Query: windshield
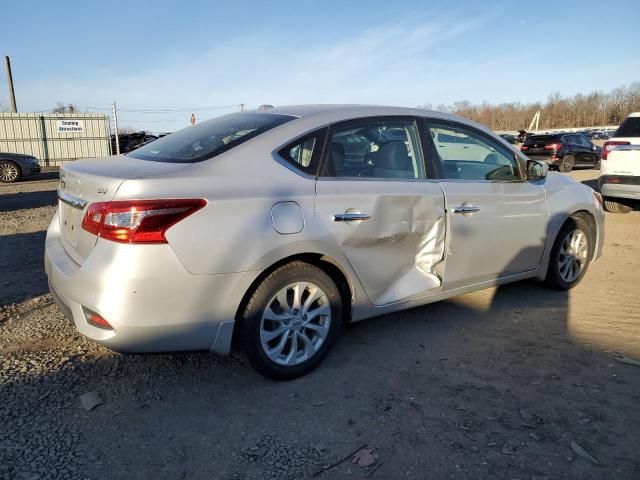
(629, 128)
(210, 138)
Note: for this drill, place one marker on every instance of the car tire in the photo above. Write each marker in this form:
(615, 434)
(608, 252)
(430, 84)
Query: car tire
(9, 171)
(274, 324)
(613, 206)
(570, 259)
(567, 164)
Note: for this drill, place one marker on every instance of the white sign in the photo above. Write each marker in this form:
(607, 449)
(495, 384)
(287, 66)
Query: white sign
(70, 126)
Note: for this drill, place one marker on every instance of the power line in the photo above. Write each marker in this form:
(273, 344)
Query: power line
(152, 110)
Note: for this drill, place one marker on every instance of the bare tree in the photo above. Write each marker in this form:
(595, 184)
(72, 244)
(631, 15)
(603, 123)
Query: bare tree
(580, 110)
(62, 108)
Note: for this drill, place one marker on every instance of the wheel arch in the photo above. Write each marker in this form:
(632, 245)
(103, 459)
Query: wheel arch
(583, 214)
(325, 262)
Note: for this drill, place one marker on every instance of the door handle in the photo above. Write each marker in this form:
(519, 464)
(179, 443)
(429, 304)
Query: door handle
(350, 217)
(466, 208)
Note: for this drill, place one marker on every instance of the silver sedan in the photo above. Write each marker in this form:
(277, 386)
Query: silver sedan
(270, 229)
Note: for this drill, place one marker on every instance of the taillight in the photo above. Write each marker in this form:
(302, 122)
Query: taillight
(524, 148)
(137, 221)
(608, 146)
(553, 146)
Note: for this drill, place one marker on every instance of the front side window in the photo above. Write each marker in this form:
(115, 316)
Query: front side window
(584, 141)
(382, 148)
(208, 139)
(469, 155)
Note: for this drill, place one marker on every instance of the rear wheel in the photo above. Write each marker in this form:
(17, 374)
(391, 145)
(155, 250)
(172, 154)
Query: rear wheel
(616, 207)
(570, 255)
(567, 163)
(291, 321)
(9, 171)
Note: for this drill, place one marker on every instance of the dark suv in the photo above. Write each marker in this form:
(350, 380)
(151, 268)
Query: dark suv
(562, 150)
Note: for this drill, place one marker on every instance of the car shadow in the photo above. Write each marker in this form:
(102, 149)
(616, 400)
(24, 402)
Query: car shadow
(26, 200)
(22, 274)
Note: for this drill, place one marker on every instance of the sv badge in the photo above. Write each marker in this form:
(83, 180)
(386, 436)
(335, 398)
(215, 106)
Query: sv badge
(102, 191)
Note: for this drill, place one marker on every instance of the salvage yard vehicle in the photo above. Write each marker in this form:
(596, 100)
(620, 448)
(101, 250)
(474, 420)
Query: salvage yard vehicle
(14, 166)
(270, 229)
(562, 151)
(620, 172)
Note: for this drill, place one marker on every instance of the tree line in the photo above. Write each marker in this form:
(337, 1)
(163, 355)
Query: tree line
(581, 110)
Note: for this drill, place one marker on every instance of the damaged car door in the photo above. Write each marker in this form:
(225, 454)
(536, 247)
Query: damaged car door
(497, 219)
(374, 200)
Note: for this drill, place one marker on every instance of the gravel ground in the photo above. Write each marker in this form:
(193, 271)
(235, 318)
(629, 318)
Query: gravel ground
(514, 382)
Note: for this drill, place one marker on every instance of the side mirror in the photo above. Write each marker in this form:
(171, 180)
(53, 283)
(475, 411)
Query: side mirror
(536, 170)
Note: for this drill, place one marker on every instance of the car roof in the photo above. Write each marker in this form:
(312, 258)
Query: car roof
(347, 111)
(317, 115)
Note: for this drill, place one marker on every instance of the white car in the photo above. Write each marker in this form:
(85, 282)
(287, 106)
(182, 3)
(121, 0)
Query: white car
(620, 167)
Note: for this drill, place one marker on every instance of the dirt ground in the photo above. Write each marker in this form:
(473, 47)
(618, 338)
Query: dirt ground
(518, 382)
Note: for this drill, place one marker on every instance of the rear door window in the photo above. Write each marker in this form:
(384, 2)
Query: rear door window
(375, 148)
(208, 139)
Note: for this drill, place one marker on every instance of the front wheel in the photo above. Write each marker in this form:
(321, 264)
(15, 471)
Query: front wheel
(570, 255)
(291, 321)
(567, 163)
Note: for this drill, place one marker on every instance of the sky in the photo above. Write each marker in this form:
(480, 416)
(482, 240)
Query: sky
(208, 57)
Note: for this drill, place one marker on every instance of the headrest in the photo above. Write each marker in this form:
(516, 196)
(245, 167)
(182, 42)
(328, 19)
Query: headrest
(393, 155)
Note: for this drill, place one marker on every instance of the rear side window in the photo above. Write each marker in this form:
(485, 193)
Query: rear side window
(304, 153)
(629, 128)
(208, 139)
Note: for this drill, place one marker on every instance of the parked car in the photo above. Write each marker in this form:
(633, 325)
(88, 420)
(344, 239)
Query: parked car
(14, 166)
(512, 139)
(620, 166)
(598, 136)
(131, 141)
(271, 229)
(562, 150)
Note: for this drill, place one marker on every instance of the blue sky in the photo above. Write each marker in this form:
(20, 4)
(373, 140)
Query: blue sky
(199, 54)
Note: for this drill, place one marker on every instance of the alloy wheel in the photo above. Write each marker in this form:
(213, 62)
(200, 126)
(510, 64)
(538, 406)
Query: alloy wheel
(295, 323)
(8, 172)
(572, 257)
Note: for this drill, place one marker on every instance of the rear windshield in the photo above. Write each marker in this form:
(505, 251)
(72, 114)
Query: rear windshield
(208, 139)
(629, 128)
(531, 139)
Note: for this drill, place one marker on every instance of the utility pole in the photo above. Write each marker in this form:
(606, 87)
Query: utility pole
(115, 125)
(12, 93)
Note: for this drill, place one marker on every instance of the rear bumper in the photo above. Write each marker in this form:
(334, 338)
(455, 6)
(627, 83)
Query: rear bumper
(620, 186)
(146, 294)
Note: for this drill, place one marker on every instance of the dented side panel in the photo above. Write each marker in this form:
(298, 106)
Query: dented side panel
(396, 253)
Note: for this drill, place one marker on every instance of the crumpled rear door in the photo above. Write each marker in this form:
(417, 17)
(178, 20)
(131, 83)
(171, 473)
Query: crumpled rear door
(396, 252)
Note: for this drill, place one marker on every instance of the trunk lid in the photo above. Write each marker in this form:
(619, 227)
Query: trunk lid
(84, 182)
(623, 160)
